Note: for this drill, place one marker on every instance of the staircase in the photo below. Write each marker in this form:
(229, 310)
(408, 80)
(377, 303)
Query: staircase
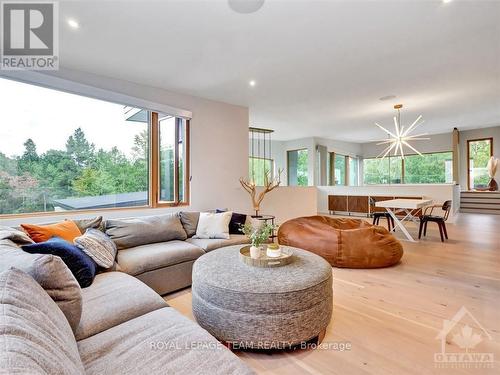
(481, 202)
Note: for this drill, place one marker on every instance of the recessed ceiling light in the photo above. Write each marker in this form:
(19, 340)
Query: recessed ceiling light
(73, 23)
(447, 1)
(252, 83)
(387, 97)
(245, 6)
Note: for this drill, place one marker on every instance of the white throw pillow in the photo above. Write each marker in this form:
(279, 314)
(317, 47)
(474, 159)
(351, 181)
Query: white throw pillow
(212, 225)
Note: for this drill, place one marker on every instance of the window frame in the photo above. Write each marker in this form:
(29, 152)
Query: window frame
(153, 164)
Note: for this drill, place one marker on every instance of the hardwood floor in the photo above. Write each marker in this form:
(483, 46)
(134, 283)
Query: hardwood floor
(391, 316)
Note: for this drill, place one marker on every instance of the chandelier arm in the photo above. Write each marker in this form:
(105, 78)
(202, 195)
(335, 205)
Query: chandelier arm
(415, 139)
(396, 126)
(384, 150)
(401, 149)
(397, 143)
(413, 148)
(414, 125)
(387, 131)
(388, 150)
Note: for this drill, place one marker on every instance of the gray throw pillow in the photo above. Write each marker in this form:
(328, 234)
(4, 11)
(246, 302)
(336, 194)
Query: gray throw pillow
(52, 275)
(15, 235)
(36, 338)
(84, 224)
(189, 221)
(144, 230)
(98, 246)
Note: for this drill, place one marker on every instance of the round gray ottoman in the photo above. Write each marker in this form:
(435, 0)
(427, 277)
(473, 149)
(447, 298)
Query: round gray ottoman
(262, 308)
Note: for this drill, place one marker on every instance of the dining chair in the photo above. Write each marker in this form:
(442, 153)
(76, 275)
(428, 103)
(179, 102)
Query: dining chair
(439, 219)
(378, 215)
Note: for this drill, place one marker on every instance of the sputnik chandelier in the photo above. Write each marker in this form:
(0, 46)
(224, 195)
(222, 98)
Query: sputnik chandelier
(401, 136)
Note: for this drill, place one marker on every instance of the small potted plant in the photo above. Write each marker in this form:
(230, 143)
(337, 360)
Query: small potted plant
(257, 236)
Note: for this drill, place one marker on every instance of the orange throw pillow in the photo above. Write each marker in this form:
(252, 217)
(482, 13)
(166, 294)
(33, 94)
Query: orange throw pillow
(67, 230)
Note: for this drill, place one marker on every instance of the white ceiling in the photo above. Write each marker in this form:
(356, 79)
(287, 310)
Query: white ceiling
(320, 66)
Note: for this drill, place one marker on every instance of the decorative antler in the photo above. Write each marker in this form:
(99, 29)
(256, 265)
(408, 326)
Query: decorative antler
(269, 185)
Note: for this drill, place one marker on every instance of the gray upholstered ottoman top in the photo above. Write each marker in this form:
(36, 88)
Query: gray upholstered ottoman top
(223, 269)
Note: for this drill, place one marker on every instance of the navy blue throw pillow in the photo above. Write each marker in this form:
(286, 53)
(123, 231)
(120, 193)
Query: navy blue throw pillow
(237, 220)
(80, 264)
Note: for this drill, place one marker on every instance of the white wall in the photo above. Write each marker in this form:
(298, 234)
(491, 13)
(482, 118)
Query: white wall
(340, 147)
(288, 202)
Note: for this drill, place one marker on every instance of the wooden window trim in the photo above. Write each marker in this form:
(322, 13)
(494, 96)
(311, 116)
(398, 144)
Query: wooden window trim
(154, 157)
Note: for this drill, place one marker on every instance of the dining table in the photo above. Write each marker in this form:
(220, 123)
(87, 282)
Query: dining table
(406, 206)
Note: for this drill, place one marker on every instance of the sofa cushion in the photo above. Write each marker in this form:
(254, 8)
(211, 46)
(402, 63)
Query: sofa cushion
(80, 264)
(189, 221)
(35, 337)
(51, 273)
(15, 235)
(112, 299)
(98, 246)
(138, 231)
(94, 223)
(160, 342)
(140, 259)
(212, 244)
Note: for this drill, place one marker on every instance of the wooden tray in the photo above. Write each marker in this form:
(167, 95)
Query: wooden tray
(264, 261)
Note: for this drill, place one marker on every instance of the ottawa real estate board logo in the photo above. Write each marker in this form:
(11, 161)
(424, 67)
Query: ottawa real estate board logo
(30, 39)
(467, 339)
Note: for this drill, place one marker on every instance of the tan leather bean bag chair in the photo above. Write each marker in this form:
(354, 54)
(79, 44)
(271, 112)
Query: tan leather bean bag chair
(350, 243)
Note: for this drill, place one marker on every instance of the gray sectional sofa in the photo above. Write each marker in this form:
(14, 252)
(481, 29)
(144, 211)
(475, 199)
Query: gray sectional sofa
(118, 325)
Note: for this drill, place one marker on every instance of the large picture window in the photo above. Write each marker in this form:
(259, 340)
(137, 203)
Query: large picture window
(432, 168)
(63, 152)
(429, 168)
